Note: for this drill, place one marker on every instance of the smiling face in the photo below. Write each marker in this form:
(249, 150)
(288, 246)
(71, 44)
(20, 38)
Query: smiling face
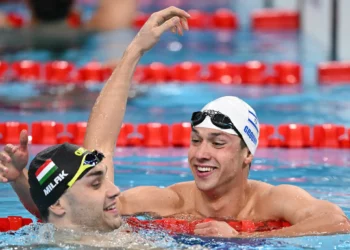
(216, 158)
(91, 201)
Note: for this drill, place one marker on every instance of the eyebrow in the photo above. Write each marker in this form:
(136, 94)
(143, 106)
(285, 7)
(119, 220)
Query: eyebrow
(195, 131)
(211, 135)
(97, 173)
(216, 134)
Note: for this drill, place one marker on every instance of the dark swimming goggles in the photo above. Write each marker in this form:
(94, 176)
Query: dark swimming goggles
(93, 158)
(89, 160)
(218, 119)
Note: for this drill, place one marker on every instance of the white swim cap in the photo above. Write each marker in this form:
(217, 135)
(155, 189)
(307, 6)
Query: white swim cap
(241, 115)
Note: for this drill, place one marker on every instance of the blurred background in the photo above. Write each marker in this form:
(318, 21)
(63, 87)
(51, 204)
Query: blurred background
(55, 55)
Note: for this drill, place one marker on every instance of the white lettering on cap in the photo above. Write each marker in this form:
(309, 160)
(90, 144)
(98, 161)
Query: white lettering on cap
(59, 178)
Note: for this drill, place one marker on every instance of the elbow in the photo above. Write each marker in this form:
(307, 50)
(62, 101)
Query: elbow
(336, 219)
(341, 223)
(345, 224)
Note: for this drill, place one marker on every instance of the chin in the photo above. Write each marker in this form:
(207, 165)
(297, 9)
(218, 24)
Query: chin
(204, 186)
(116, 223)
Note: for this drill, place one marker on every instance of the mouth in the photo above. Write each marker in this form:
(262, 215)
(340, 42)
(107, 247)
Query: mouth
(204, 171)
(111, 209)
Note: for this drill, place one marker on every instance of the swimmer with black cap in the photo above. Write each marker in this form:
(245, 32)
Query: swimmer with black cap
(73, 187)
(67, 181)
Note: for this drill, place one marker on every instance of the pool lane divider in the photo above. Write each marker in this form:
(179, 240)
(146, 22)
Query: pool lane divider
(13, 223)
(285, 73)
(178, 134)
(58, 73)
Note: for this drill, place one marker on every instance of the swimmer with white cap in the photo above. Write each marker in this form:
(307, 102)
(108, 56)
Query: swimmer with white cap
(231, 115)
(225, 135)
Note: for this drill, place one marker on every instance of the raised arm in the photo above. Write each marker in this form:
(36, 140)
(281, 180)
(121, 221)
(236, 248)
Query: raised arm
(108, 112)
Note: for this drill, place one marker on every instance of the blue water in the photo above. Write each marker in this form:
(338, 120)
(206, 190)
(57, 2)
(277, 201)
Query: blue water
(324, 173)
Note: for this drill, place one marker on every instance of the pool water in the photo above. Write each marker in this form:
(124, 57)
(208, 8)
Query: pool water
(324, 173)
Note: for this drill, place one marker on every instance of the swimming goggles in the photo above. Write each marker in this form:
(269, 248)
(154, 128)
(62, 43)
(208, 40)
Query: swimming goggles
(218, 119)
(89, 160)
(93, 158)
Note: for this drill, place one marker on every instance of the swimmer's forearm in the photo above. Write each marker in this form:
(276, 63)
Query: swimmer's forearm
(315, 225)
(21, 187)
(108, 111)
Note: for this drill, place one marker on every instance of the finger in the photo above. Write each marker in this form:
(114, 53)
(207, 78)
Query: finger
(3, 179)
(3, 169)
(5, 157)
(171, 23)
(173, 30)
(179, 29)
(9, 149)
(163, 15)
(184, 23)
(203, 225)
(23, 139)
(206, 232)
(199, 231)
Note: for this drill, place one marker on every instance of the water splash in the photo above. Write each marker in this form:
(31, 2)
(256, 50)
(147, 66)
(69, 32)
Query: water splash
(46, 236)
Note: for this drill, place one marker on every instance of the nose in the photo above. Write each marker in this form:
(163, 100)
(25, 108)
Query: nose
(203, 152)
(113, 191)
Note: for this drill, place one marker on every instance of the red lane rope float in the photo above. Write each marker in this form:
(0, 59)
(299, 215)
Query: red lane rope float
(3, 69)
(334, 72)
(58, 72)
(15, 20)
(26, 70)
(154, 134)
(63, 72)
(275, 20)
(176, 226)
(13, 223)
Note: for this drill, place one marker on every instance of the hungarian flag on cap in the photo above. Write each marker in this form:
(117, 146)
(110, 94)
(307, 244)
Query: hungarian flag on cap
(45, 171)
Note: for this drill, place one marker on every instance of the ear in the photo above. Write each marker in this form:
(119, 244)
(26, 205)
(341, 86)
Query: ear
(57, 208)
(248, 158)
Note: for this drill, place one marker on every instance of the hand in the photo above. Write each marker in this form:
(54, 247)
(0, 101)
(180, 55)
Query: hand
(171, 18)
(14, 159)
(215, 229)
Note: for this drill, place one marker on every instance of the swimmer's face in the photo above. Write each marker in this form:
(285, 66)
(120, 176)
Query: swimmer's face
(216, 158)
(91, 201)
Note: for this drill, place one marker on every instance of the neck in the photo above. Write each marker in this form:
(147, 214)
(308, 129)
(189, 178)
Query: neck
(63, 224)
(226, 201)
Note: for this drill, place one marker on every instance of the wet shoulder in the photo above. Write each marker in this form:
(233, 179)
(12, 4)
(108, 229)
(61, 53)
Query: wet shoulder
(264, 205)
(259, 189)
(184, 190)
(258, 192)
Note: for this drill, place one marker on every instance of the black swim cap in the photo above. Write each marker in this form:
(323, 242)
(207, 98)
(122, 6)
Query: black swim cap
(56, 169)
